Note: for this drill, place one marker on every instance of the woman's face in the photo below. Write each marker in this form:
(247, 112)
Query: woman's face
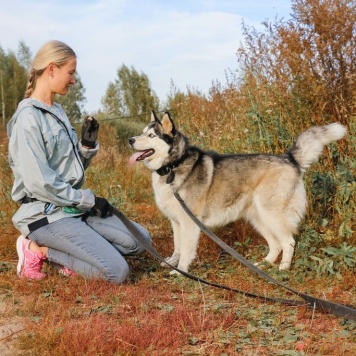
(63, 77)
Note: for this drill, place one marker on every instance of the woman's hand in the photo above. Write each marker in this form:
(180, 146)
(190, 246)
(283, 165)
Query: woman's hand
(90, 130)
(102, 207)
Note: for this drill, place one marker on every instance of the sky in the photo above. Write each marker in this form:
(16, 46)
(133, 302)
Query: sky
(187, 44)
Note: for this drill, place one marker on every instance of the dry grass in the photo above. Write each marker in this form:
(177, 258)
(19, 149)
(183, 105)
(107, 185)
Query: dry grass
(154, 313)
(295, 75)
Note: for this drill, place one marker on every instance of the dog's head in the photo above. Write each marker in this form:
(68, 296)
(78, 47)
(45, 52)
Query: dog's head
(155, 144)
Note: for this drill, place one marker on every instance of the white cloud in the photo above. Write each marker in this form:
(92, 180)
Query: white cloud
(191, 43)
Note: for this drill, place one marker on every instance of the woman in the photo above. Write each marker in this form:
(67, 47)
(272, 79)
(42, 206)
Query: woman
(61, 223)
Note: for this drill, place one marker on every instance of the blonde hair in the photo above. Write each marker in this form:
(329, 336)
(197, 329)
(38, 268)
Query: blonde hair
(51, 52)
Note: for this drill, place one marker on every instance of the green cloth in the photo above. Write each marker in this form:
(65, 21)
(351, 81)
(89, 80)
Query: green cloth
(71, 210)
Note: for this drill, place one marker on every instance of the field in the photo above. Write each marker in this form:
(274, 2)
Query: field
(154, 313)
(290, 76)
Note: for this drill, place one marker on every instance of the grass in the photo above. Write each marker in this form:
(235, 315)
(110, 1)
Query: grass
(285, 87)
(154, 313)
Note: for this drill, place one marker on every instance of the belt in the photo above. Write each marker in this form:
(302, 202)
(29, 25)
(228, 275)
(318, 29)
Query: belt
(27, 200)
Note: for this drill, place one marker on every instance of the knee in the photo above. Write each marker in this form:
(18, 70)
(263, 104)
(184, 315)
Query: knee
(117, 273)
(121, 275)
(115, 270)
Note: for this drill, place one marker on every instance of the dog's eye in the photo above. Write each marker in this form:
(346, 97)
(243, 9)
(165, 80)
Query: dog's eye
(151, 135)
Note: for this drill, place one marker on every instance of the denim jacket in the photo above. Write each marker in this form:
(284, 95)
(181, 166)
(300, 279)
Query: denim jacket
(48, 164)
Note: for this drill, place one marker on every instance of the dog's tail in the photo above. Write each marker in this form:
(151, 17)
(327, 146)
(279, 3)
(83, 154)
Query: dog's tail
(310, 144)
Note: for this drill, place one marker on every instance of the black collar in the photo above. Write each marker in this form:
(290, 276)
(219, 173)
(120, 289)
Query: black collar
(168, 169)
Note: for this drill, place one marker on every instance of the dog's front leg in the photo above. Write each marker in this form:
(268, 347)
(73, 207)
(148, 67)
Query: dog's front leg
(174, 259)
(189, 238)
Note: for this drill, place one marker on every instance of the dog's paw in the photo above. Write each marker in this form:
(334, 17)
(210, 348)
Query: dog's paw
(264, 263)
(175, 273)
(164, 264)
(173, 261)
(284, 266)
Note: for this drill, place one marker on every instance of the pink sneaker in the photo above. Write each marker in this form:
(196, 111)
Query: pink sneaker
(30, 263)
(67, 272)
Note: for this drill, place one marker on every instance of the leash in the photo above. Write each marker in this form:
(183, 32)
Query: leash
(330, 307)
(336, 309)
(146, 244)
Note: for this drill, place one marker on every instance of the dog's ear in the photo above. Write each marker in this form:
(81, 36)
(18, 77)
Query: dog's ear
(154, 116)
(168, 125)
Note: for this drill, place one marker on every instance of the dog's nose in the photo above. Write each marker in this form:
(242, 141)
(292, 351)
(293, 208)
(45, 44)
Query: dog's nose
(131, 141)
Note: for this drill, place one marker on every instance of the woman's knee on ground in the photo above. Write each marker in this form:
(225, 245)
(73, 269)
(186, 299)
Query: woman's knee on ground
(116, 272)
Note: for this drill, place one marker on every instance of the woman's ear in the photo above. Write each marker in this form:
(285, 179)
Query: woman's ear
(50, 69)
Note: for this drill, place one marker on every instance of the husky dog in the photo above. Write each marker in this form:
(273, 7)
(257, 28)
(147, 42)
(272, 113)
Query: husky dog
(266, 190)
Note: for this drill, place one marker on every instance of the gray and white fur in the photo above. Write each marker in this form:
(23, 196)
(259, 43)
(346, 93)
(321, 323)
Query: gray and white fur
(265, 190)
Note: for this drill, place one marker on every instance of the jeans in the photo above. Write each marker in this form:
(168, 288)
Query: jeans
(93, 248)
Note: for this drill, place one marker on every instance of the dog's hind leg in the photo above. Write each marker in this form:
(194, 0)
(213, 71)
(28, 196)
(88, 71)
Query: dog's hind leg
(288, 224)
(288, 244)
(279, 239)
(274, 245)
(285, 225)
(277, 222)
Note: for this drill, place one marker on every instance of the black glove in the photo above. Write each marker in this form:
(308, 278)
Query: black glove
(102, 207)
(90, 129)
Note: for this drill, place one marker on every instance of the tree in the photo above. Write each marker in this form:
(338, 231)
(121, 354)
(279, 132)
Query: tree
(134, 95)
(112, 101)
(17, 81)
(73, 101)
(13, 80)
(311, 58)
(24, 56)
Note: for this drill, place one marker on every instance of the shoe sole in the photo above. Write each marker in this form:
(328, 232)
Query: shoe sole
(21, 254)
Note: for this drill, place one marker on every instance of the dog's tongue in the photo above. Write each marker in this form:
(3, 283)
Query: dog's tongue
(134, 157)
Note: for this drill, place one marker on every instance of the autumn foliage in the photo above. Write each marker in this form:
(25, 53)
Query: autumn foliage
(295, 74)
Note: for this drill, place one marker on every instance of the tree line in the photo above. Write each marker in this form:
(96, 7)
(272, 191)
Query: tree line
(13, 79)
(130, 94)
(305, 65)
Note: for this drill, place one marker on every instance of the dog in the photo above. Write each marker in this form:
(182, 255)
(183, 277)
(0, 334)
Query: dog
(264, 189)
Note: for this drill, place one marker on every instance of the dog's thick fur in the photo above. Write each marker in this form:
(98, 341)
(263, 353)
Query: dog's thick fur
(266, 190)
